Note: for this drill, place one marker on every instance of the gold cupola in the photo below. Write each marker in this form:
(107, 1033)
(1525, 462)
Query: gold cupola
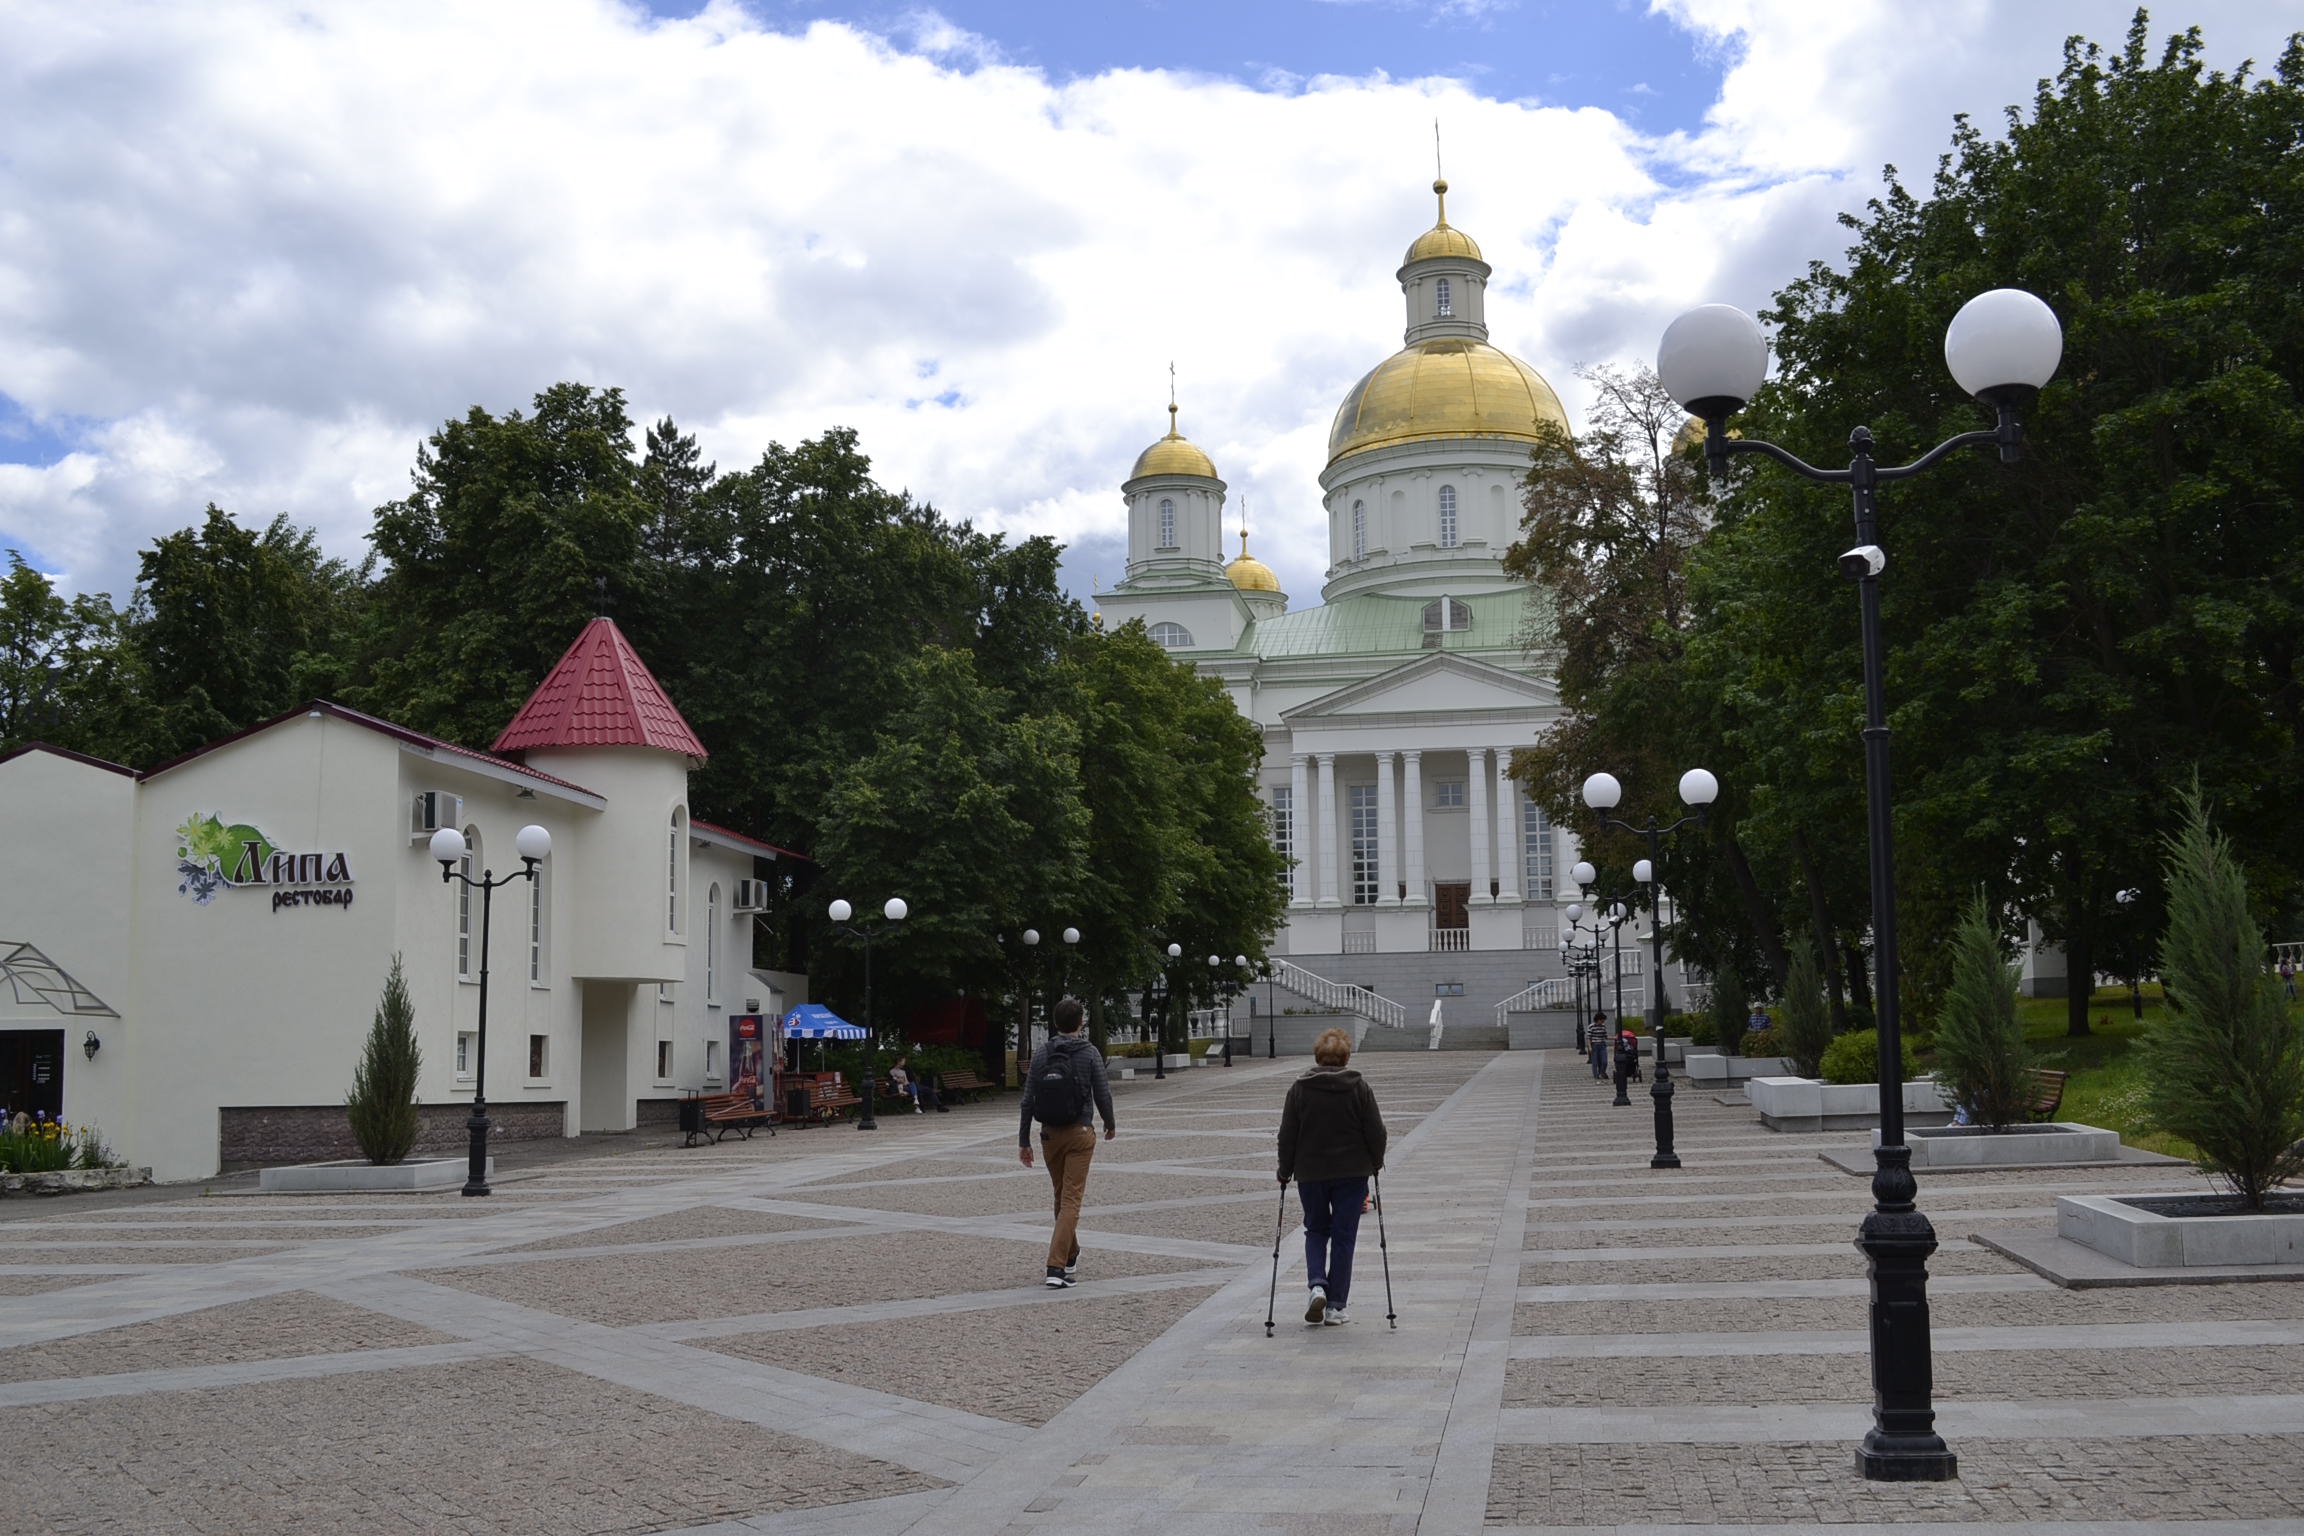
(1443, 238)
(1250, 574)
(1173, 455)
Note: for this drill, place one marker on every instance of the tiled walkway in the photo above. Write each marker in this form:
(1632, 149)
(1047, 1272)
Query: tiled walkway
(841, 1332)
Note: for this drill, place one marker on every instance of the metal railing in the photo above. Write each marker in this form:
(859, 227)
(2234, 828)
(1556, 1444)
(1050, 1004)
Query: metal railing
(1338, 996)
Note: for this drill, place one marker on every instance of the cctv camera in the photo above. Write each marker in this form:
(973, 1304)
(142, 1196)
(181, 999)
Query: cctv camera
(1862, 561)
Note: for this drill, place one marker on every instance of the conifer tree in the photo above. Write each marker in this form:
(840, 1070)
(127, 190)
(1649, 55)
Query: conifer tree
(382, 1103)
(2225, 1066)
(1981, 1058)
(1730, 1006)
(1804, 1024)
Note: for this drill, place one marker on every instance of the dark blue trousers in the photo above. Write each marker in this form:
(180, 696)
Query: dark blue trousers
(1331, 1227)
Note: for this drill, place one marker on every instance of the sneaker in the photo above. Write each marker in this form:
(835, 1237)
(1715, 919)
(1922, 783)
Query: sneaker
(1337, 1317)
(1318, 1308)
(1072, 1273)
(1057, 1280)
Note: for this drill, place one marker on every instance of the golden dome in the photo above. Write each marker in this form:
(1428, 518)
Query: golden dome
(1448, 387)
(1172, 455)
(1442, 239)
(1250, 574)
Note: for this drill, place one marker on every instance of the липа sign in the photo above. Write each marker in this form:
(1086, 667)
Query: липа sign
(213, 857)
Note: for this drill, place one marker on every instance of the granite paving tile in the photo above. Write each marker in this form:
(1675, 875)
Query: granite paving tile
(267, 1328)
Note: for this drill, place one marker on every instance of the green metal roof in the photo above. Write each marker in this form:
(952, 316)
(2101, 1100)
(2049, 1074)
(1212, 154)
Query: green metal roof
(1377, 624)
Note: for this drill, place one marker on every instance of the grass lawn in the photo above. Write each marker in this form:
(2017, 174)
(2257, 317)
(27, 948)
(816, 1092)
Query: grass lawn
(2107, 1083)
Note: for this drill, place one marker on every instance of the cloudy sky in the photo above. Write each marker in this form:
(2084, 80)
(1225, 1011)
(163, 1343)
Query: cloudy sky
(253, 253)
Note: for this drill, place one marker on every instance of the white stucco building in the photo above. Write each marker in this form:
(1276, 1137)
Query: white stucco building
(190, 956)
(1390, 709)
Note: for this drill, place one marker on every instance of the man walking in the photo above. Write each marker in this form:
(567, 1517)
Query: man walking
(1064, 1090)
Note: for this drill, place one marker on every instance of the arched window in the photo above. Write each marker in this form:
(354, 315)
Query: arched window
(672, 872)
(1167, 523)
(1175, 637)
(1447, 517)
(712, 945)
(1441, 306)
(1359, 530)
(471, 868)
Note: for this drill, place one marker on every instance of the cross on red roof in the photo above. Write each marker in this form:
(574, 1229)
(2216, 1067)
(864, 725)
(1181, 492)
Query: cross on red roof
(599, 695)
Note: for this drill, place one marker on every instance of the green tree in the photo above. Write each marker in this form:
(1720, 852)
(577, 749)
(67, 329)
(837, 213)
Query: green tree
(2225, 1066)
(1803, 1023)
(1981, 1058)
(72, 674)
(382, 1103)
(1731, 1006)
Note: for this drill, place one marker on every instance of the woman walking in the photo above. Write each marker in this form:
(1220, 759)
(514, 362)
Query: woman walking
(1331, 1144)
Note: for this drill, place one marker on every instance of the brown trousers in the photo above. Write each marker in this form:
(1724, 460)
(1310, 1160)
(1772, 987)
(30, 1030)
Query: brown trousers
(1067, 1152)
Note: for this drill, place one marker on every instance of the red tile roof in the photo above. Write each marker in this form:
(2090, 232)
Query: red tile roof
(599, 695)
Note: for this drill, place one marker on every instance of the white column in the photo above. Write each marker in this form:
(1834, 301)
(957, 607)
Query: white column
(1328, 859)
(1511, 842)
(1414, 797)
(1300, 828)
(1387, 835)
(1476, 782)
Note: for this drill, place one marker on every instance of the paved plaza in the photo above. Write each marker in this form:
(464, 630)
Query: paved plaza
(844, 1333)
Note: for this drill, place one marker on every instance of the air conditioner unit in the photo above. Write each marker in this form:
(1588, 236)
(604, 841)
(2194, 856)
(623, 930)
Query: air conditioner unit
(751, 895)
(433, 811)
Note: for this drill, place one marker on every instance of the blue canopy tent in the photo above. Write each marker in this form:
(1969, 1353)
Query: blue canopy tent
(814, 1021)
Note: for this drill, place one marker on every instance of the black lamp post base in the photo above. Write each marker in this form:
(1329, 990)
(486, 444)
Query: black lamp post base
(867, 1121)
(1902, 1445)
(1906, 1459)
(1660, 1094)
(476, 1165)
(1623, 1099)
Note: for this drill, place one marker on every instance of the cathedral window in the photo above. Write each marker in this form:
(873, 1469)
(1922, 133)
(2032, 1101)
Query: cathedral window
(1167, 523)
(1284, 832)
(1174, 637)
(1441, 307)
(1361, 805)
(1536, 836)
(1442, 614)
(1359, 530)
(1447, 794)
(1447, 517)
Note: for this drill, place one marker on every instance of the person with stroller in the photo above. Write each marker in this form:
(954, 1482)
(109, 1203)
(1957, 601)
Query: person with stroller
(1597, 1036)
(1627, 1058)
(1331, 1143)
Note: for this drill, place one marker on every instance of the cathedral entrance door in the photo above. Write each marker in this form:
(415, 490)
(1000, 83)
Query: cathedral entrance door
(1451, 920)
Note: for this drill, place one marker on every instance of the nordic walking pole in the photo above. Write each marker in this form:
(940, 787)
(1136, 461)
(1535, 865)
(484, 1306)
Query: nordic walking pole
(1382, 1248)
(1272, 1296)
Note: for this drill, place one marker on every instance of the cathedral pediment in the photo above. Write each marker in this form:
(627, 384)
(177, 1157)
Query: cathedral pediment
(1438, 684)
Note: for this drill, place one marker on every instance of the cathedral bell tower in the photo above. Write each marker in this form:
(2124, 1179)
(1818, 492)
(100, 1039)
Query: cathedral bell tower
(1175, 512)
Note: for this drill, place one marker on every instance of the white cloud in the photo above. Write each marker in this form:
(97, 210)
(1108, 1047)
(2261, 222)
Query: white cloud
(269, 252)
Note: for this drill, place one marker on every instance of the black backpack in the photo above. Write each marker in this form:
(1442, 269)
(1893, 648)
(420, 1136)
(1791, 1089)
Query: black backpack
(1057, 1097)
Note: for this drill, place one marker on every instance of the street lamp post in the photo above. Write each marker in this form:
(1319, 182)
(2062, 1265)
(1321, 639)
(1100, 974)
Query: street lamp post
(1271, 1021)
(1698, 789)
(894, 911)
(534, 845)
(2002, 347)
(1165, 994)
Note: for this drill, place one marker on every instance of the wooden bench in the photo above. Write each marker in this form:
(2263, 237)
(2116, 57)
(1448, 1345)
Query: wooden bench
(826, 1100)
(720, 1113)
(958, 1085)
(2048, 1094)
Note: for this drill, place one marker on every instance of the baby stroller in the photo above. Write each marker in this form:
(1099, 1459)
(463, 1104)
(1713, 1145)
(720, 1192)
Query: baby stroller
(1628, 1056)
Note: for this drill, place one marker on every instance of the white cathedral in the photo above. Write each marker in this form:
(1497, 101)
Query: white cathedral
(1391, 709)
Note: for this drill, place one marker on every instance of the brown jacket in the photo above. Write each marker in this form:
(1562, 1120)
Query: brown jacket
(1330, 1128)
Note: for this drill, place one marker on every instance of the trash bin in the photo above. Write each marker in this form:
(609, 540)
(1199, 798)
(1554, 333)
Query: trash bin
(692, 1116)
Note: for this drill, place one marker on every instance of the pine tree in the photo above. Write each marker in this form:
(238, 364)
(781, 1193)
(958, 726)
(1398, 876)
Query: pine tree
(1804, 1024)
(2225, 1066)
(1981, 1058)
(382, 1103)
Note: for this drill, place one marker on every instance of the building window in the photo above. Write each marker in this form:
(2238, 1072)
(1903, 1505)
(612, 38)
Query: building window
(1441, 307)
(664, 1061)
(1447, 989)
(1441, 615)
(664, 992)
(536, 927)
(1174, 637)
(1536, 831)
(466, 1043)
(1447, 517)
(711, 1061)
(672, 872)
(1447, 794)
(470, 867)
(537, 1062)
(712, 947)
(1359, 530)
(1284, 832)
(1360, 802)
(1167, 523)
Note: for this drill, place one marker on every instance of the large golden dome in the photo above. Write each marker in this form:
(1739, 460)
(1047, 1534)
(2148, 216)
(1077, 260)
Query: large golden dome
(1451, 386)
(1172, 455)
(1443, 238)
(1250, 574)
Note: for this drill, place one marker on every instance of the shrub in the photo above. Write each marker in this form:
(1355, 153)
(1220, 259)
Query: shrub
(382, 1103)
(1855, 1058)
(1803, 1023)
(1981, 1058)
(2225, 1065)
(1698, 1028)
(1731, 1005)
(35, 1146)
(1763, 1042)
(1134, 1049)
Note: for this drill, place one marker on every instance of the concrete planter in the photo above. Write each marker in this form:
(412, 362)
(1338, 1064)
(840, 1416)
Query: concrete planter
(72, 1181)
(368, 1178)
(2149, 1240)
(1810, 1104)
(2030, 1146)
(1181, 1059)
(1710, 1067)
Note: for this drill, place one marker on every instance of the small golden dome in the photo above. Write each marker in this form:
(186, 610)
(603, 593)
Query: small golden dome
(1447, 387)
(1172, 455)
(1250, 574)
(1442, 239)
